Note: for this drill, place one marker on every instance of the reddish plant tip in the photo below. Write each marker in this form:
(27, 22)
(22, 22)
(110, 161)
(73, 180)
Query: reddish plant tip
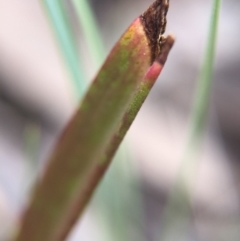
(165, 49)
(157, 66)
(154, 21)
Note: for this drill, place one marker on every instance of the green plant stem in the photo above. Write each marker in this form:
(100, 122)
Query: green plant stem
(64, 34)
(113, 188)
(90, 30)
(89, 141)
(31, 139)
(206, 78)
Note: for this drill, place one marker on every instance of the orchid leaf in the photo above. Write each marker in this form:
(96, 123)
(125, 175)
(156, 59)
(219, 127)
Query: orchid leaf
(91, 138)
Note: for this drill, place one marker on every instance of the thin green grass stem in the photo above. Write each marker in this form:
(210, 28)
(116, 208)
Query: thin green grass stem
(203, 93)
(176, 219)
(62, 29)
(90, 30)
(32, 140)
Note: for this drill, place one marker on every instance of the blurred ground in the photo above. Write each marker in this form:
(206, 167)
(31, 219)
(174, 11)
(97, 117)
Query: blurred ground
(35, 93)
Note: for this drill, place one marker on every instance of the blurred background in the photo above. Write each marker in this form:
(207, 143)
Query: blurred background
(37, 98)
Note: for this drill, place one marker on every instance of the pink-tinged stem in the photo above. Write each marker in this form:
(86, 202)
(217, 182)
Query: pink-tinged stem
(91, 138)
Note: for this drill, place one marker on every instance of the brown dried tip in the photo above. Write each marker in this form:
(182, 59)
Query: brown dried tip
(165, 48)
(154, 21)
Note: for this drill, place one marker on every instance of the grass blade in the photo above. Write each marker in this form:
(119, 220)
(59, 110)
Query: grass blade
(205, 82)
(90, 31)
(62, 28)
